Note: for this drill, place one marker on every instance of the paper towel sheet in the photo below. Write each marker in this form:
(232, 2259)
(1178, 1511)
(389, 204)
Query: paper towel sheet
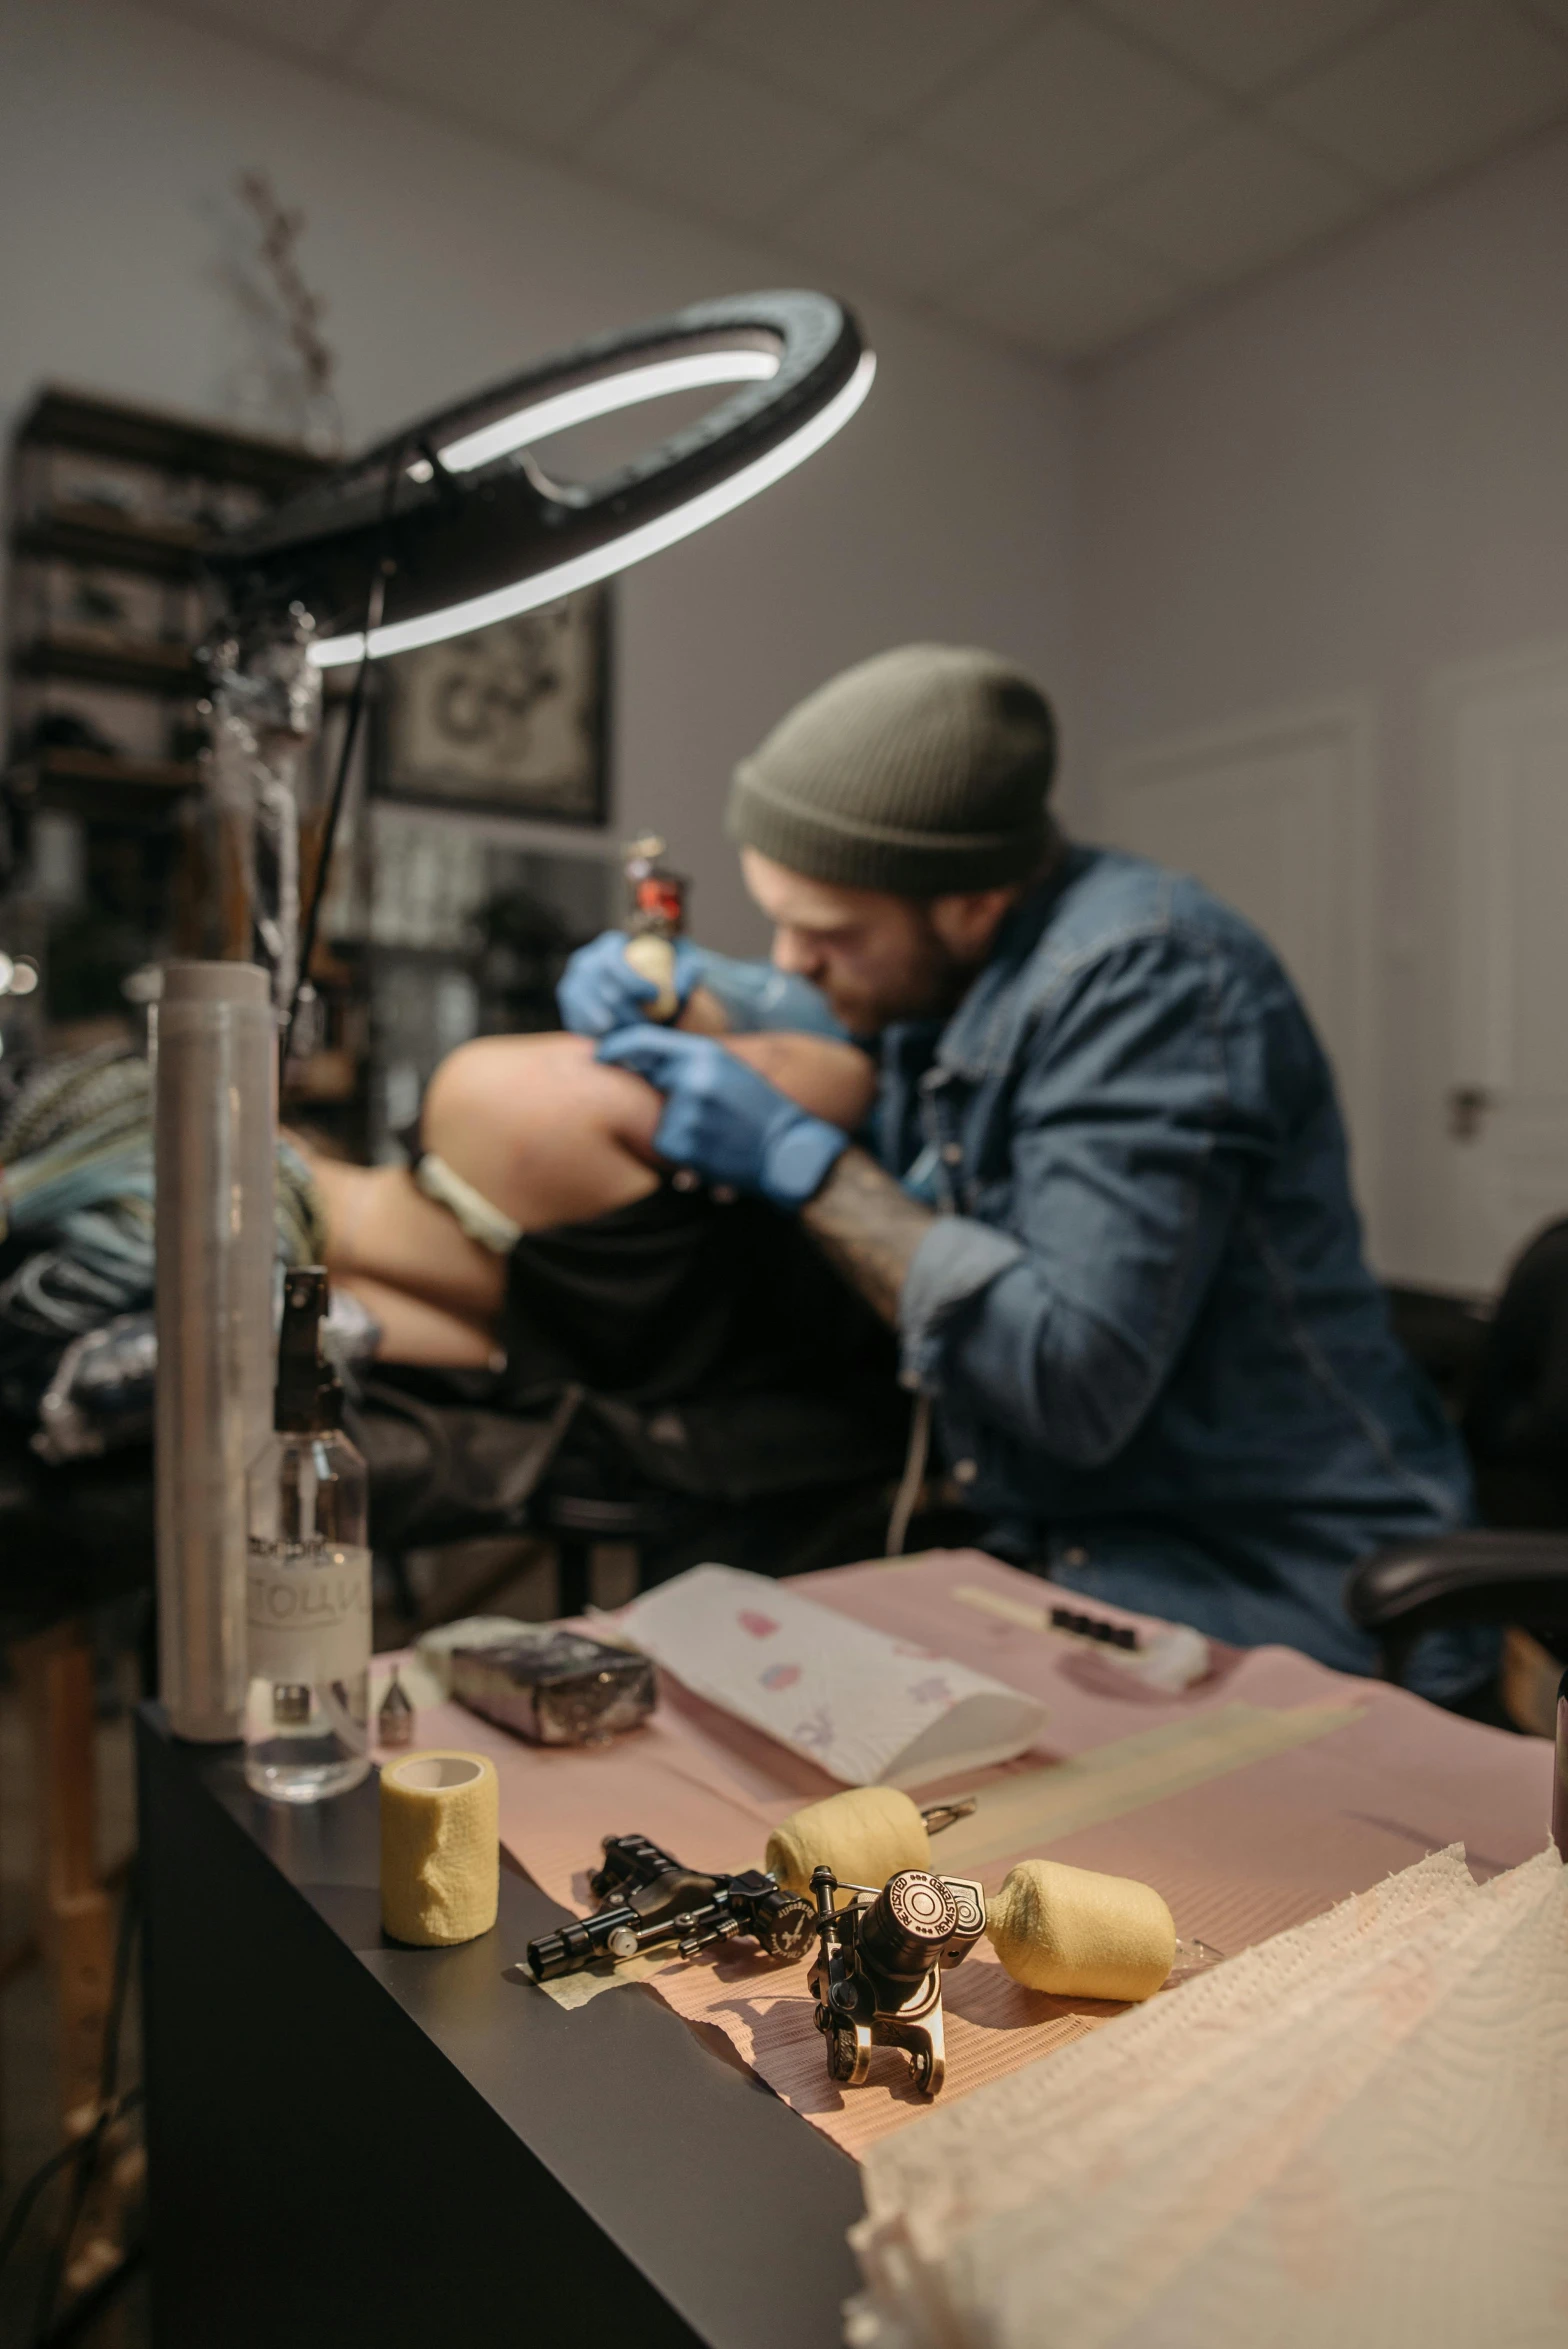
(1352, 2137)
(1238, 1856)
(868, 1706)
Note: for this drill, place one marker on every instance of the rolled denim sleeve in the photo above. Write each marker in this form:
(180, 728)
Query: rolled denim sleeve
(1138, 1112)
(756, 997)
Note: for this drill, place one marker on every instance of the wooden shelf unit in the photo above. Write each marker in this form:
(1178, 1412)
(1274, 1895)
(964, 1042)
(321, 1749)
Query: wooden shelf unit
(112, 510)
(125, 499)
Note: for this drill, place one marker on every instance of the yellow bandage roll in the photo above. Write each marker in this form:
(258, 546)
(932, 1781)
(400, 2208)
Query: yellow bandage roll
(440, 1847)
(653, 957)
(865, 1835)
(1081, 1934)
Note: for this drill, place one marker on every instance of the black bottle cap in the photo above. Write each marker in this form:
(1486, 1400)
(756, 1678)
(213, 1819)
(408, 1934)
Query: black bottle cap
(309, 1398)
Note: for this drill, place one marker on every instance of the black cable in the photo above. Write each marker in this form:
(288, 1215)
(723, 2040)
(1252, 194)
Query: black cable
(92, 2142)
(374, 603)
(308, 928)
(27, 2194)
(91, 2303)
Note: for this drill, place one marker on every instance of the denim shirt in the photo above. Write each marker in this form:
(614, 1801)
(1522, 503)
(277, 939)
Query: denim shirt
(1159, 1363)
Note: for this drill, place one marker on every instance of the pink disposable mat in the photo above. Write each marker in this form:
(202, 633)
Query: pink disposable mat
(1238, 1858)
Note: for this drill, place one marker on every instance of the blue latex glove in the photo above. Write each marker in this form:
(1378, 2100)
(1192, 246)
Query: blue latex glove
(724, 1120)
(600, 992)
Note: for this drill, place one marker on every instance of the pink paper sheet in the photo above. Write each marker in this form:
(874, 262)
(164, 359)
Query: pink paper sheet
(1238, 1858)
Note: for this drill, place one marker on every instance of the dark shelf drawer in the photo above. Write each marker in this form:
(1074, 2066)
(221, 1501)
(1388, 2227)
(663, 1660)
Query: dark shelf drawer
(88, 783)
(106, 539)
(65, 419)
(139, 662)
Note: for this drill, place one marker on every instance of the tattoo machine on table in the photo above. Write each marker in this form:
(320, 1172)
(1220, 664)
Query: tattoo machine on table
(882, 1949)
(655, 918)
(877, 1979)
(651, 1899)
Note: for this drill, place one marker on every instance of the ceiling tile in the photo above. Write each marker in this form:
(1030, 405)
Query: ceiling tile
(1245, 44)
(698, 133)
(674, 15)
(869, 57)
(1239, 201)
(1068, 112)
(1070, 297)
(904, 218)
(312, 28)
(540, 73)
(1432, 92)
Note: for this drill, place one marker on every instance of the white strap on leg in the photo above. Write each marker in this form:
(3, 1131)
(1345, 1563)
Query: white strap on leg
(478, 1218)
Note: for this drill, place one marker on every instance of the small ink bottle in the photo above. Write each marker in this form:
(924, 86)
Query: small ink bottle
(395, 1720)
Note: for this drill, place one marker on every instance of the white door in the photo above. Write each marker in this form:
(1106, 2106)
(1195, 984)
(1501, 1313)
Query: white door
(1500, 733)
(1275, 815)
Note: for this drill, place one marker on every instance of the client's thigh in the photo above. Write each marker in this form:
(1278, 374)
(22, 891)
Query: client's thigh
(540, 1129)
(550, 1136)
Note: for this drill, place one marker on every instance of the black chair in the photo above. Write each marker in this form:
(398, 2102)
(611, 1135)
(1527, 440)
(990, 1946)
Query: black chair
(780, 1483)
(1507, 1381)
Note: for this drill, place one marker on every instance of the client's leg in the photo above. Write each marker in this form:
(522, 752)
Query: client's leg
(549, 1136)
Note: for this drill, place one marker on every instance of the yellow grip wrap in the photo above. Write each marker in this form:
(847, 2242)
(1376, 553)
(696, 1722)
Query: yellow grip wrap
(653, 958)
(440, 1847)
(1081, 1934)
(865, 1835)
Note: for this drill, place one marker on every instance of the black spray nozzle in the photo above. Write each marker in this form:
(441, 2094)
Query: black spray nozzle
(309, 1391)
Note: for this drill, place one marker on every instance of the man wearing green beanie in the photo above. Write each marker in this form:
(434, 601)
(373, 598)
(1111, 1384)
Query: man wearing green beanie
(1102, 1195)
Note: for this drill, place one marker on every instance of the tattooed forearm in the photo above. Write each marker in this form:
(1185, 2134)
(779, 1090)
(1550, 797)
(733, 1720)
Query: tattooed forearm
(868, 1228)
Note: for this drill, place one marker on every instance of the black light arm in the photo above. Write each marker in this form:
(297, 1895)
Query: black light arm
(469, 525)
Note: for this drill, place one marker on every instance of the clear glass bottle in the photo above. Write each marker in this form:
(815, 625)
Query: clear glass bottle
(308, 1584)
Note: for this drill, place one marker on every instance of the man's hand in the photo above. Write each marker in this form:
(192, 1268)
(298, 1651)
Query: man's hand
(600, 992)
(724, 1120)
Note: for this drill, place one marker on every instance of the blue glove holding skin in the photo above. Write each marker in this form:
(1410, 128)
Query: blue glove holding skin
(724, 1120)
(600, 992)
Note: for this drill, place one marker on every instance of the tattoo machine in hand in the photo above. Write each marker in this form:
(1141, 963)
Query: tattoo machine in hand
(655, 917)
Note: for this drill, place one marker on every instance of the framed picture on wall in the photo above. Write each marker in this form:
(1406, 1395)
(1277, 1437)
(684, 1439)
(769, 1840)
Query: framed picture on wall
(511, 720)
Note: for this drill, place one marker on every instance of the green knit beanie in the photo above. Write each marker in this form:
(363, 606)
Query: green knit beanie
(922, 771)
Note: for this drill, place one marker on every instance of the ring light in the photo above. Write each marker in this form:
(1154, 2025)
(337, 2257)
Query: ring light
(469, 530)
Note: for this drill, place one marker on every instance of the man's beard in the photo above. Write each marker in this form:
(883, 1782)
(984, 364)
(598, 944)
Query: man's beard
(932, 984)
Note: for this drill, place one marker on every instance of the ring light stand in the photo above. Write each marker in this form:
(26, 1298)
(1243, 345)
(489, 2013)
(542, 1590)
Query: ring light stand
(452, 524)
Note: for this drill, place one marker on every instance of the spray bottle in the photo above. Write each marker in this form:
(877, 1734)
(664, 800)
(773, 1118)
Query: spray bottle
(308, 1582)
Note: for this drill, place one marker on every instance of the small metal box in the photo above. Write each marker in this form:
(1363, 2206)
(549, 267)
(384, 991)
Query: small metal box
(555, 1687)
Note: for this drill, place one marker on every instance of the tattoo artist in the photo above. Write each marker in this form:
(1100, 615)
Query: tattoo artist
(1103, 1196)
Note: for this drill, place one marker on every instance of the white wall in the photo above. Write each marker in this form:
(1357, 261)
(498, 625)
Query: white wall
(943, 511)
(1331, 489)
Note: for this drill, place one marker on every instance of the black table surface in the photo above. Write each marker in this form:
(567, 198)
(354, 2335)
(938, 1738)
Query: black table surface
(668, 2163)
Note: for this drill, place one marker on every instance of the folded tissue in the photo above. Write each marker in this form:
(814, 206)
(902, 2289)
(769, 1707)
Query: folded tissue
(868, 1708)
